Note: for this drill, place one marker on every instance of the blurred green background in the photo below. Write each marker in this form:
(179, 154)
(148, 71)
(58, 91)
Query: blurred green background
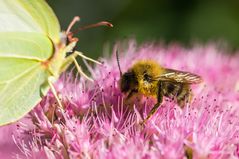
(183, 21)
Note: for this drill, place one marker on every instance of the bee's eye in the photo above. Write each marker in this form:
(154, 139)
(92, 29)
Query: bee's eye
(147, 77)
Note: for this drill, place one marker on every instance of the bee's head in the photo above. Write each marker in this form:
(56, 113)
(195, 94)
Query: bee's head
(128, 82)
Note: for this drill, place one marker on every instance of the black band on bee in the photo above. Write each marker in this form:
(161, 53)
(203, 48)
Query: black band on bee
(170, 88)
(180, 90)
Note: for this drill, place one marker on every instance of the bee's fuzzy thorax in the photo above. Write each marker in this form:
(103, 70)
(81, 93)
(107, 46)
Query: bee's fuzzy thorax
(151, 67)
(147, 66)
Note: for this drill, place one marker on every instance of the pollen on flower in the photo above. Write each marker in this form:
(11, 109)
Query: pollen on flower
(99, 122)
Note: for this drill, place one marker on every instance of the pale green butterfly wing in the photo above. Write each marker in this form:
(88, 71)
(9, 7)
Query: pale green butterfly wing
(19, 96)
(22, 72)
(19, 51)
(27, 30)
(29, 16)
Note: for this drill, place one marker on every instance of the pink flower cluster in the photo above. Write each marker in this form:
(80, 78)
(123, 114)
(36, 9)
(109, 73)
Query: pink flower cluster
(97, 121)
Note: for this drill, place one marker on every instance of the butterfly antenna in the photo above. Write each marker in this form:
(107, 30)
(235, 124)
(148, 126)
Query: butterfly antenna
(103, 23)
(74, 20)
(117, 57)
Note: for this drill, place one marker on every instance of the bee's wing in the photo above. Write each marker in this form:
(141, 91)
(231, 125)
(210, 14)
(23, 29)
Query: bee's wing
(179, 76)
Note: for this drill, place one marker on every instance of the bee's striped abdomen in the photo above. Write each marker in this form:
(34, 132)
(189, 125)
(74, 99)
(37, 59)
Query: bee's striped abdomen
(184, 96)
(179, 91)
(170, 89)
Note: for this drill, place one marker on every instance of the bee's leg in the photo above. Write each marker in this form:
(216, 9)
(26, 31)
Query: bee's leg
(154, 109)
(188, 152)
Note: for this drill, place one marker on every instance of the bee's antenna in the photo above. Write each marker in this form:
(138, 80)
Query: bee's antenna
(117, 57)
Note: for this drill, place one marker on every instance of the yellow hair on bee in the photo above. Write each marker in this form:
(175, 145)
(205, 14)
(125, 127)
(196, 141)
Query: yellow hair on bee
(150, 67)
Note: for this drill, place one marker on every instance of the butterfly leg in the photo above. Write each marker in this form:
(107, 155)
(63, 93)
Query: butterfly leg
(72, 59)
(156, 106)
(87, 58)
(50, 82)
(79, 69)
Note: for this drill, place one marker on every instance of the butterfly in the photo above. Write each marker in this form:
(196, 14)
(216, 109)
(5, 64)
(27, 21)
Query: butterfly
(33, 54)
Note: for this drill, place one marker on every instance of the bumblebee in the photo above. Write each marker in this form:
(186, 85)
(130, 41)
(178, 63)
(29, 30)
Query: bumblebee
(147, 77)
